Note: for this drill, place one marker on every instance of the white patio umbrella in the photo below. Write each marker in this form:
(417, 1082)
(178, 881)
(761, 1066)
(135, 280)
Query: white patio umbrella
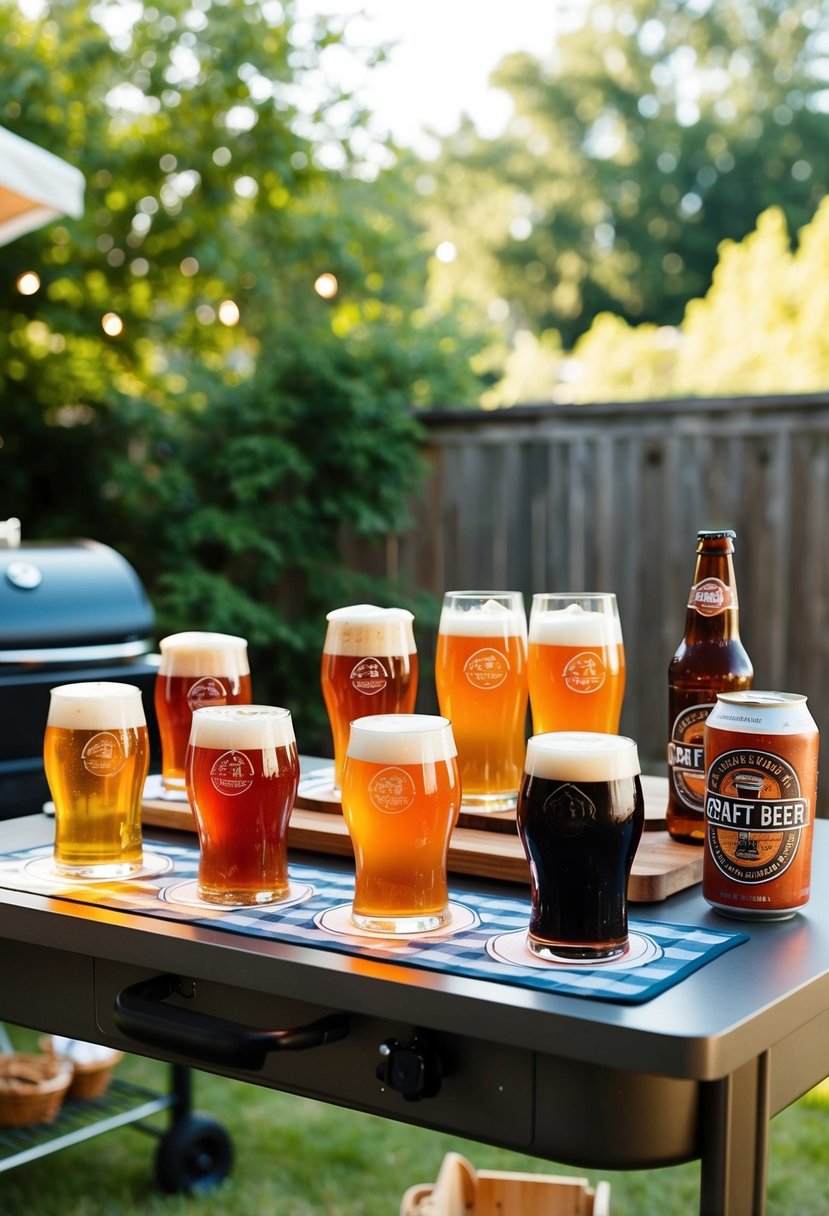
(36, 187)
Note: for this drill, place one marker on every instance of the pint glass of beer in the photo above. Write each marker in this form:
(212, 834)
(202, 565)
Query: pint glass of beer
(242, 777)
(576, 663)
(481, 679)
(96, 754)
(369, 666)
(580, 817)
(401, 796)
(196, 669)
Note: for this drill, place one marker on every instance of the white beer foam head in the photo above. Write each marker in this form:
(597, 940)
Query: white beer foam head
(574, 626)
(204, 654)
(250, 728)
(579, 755)
(482, 619)
(365, 629)
(97, 705)
(402, 739)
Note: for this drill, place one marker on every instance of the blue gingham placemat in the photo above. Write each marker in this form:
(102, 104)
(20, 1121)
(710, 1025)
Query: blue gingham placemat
(487, 943)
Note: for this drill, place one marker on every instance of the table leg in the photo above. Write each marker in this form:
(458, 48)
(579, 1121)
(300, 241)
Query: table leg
(735, 1137)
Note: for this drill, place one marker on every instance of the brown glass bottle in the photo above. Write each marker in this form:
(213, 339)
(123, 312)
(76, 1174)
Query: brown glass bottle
(710, 659)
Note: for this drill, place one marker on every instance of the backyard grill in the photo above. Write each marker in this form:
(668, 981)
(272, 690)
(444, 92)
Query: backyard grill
(69, 611)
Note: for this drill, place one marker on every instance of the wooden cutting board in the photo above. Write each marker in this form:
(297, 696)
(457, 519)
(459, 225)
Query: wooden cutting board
(661, 866)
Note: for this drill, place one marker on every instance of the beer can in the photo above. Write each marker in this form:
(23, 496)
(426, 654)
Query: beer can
(761, 759)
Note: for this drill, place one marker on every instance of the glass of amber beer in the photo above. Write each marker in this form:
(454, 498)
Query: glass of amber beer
(481, 679)
(369, 666)
(576, 662)
(401, 797)
(96, 754)
(242, 776)
(580, 818)
(196, 669)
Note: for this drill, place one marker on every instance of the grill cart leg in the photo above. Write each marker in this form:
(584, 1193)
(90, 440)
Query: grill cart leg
(196, 1153)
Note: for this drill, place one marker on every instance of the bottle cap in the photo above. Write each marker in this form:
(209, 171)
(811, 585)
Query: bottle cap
(724, 534)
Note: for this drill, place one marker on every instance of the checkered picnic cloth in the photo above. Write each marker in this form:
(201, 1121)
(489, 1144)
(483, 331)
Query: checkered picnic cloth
(674, 951)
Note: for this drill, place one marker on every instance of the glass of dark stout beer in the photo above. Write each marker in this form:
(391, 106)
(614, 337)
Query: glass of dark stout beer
(580, 818)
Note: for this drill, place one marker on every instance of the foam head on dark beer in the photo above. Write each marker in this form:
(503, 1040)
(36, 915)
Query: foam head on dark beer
(581, 756)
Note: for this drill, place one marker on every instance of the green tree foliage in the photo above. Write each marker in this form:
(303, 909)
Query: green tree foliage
(763, 327)
(656, 129)
(225, 460)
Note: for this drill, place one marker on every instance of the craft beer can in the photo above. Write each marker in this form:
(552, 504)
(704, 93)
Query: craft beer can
(761, 761)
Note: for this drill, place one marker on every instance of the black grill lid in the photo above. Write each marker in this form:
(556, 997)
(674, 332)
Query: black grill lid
(70, 601)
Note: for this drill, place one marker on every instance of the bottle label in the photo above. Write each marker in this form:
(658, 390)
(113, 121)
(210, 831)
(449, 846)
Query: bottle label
(711, 596)
(686, 756)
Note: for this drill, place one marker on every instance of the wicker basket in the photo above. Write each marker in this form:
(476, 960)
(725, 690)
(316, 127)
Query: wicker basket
(32, 1088)
(89, 1079)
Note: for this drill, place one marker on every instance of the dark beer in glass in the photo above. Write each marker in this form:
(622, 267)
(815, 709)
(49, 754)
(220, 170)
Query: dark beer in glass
(580, 818)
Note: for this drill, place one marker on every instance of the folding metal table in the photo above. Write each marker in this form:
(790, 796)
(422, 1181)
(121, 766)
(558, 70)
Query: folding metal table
(696, 1072)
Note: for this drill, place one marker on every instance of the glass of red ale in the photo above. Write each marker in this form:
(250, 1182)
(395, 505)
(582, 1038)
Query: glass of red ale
(401, 797)
(196, 669)
(242, 776)
(580, 818)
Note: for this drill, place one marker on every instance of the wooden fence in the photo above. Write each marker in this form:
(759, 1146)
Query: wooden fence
(609, 498)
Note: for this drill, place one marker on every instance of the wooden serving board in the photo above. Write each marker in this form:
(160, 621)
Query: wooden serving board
(661, 866)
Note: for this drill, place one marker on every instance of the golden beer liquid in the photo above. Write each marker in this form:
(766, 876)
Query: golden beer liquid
(96, 778)
(400, 810)
(369, 666)
(485, 698)
(242, 777)
(570, 692)
(197, 669)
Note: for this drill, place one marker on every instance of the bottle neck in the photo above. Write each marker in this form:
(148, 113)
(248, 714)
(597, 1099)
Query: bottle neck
(713, 609)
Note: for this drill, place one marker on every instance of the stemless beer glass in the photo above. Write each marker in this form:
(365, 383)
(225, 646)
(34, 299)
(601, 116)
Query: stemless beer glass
(196, 669)
(96, 754)
(401, 796)
(369, 666)
(576, 662)
(481, 679)
(580, 818)
(242, 777)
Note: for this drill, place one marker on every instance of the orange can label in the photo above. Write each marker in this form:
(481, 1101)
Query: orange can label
(760, 790)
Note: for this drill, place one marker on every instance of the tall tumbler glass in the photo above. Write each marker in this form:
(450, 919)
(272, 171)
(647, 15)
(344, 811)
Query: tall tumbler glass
(96, 754)
(576, 662)
(369, 666)
(242, 777)
(401, 796)
(197, 669)
(580, 818)
(481, 679)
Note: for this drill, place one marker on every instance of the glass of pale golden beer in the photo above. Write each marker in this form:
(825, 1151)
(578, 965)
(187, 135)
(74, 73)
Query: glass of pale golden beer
(580, 818)
(369, 666)
(576, 662)
(401, 796)
(96, 754)
(481, 679)
(197, 669)
(242, 776)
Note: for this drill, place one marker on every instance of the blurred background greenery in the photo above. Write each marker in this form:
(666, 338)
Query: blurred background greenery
(219, 368)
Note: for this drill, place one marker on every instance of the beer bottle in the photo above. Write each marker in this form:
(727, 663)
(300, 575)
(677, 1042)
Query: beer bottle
(710, 659)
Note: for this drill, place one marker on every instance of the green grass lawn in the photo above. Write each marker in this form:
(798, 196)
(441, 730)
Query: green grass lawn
(294, 1157)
